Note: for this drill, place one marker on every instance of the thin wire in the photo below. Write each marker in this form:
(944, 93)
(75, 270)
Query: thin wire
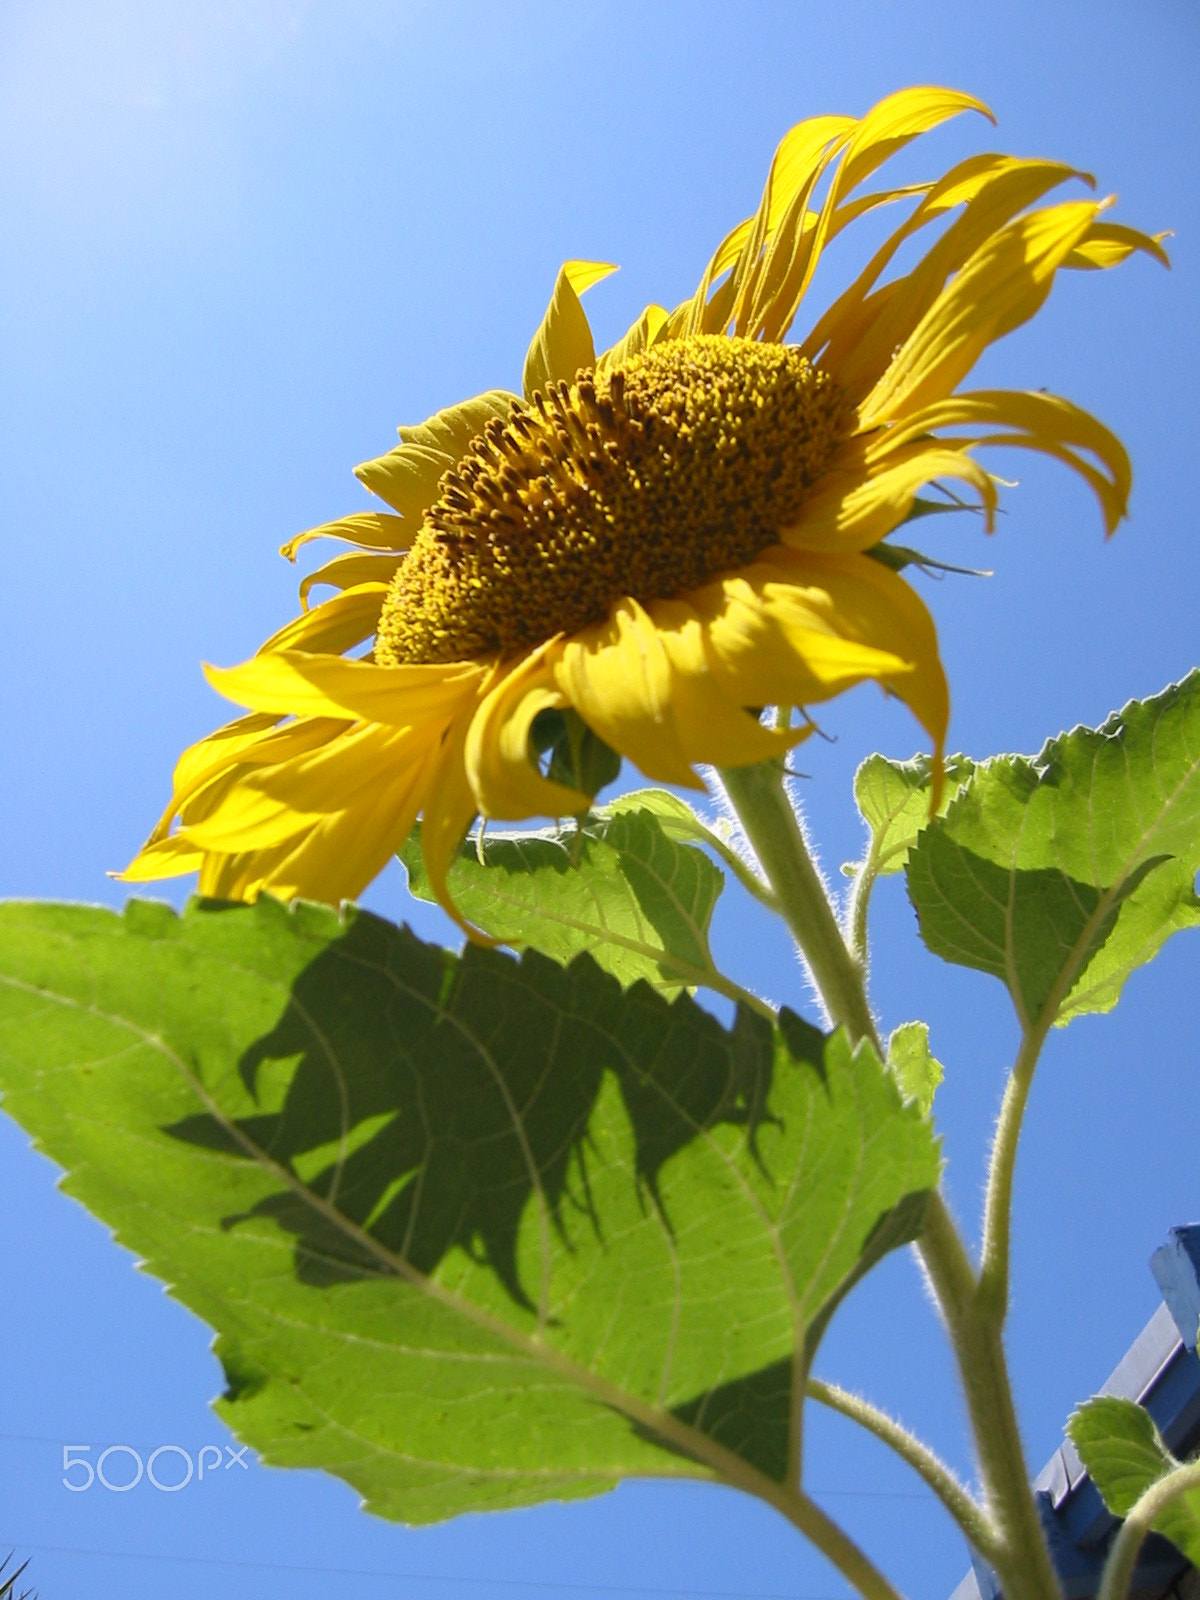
(421, 1577)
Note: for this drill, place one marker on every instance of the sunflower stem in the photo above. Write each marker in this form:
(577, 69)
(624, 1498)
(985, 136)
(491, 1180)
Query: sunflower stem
(1018, 1549)
(770, 823)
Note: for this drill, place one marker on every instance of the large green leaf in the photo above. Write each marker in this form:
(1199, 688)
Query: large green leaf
(473, 1231)
(1125, 1455)
(1063, 872)
(618, 886)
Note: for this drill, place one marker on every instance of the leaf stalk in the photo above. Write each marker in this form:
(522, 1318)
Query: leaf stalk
(937, 1476)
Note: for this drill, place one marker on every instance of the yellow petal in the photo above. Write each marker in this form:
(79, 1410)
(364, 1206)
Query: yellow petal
(163, 858)
(857, 503)
(708, 713)
(618, 676)
(447, 811)
(789, 265)
(859, 334)
(272, 804)
(798, 629)
(370, 530)
(1000, 287)
(409, 477)
(239, 877)
(205, 797)
(640, 337)
(349, 572)
(205, 772)
(803, 155)
(339, 624)
(1044, 422)
(451, 430)
(1107, 244)
(895, 122)
(292, 683)
(562, 346)
(220, 749)
(503, 779)
(337, 860)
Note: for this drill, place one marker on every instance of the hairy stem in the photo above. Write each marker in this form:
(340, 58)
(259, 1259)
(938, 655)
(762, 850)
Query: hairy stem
(969, 1515)
(1019, 1552)
(1122, 1558)
(860, 903)
(997, 1213)
(758, 796)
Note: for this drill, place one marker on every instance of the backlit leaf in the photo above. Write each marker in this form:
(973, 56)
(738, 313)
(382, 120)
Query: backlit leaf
(618, 887)
(473, 1232)
(1125, 1455)
(1063, 872)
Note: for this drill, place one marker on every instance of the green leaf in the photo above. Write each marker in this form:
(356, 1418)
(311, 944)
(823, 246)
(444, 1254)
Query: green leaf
(473, 1232)
(577, 757)
(1063, 872)
(1124, 1454)
(679, 822)
(618, 887)
(913, 1065)
(893, 797)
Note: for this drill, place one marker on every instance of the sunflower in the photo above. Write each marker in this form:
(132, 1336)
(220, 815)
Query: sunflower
(653, 546)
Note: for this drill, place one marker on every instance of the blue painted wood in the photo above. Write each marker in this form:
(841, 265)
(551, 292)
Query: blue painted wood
(1161, 1371)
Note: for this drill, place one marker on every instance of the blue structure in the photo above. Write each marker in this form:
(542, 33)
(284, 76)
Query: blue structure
(1161, 1371)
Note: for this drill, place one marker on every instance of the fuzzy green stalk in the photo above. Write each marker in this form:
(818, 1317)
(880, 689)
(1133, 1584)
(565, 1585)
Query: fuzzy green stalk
(1021, 1559)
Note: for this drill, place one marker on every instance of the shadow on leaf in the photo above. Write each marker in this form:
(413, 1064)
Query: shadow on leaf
(425, 1099)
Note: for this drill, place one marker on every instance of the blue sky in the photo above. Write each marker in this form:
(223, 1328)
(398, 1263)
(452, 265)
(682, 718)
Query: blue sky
(240, 243)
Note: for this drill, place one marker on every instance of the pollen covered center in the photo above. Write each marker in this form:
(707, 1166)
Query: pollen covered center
(645, 479)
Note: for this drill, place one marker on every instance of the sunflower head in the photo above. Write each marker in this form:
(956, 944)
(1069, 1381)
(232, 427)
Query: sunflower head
(653, 544)
(648, 478)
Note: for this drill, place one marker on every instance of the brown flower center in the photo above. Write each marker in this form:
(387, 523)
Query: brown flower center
(646, 479)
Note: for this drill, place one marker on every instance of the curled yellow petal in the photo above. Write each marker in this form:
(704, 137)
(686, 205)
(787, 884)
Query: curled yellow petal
(563, 345)
(336, 625)
(1107, 244)
(349, 572)
(798, 629)
(370, 530)
(861, 502)
(503, 779)
(1000, 287)
(1031, 421)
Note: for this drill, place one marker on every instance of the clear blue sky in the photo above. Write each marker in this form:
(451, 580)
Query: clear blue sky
(240, 240)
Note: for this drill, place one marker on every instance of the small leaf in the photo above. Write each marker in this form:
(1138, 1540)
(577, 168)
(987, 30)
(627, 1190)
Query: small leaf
(1124, 1454)
(680, 822)
(578, 758)
(1063, 872)
(617, 886)
(913, 1065)
(893, 797)
(473, 1232)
